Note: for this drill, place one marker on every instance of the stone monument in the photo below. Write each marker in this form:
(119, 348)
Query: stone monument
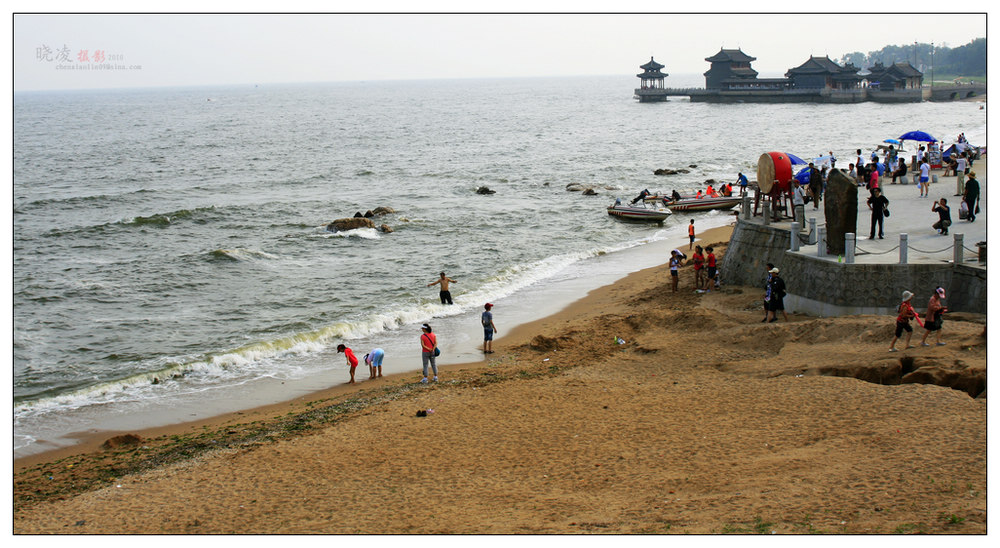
(840, 206)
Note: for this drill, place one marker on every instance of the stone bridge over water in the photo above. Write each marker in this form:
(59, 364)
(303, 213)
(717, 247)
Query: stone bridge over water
(954, 92)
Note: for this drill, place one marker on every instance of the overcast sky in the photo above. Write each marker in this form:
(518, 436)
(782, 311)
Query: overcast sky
(70, 51)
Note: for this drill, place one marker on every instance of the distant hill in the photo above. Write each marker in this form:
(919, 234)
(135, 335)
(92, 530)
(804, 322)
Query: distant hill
(967, 60)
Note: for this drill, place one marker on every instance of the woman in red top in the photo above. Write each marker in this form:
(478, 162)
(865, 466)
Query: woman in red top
(699, 263)
(933, 316)
(906, 313)
(428, 344)
(352, 360)
(712, 271)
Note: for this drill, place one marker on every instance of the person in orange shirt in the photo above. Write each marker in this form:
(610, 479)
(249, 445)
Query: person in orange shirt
(691, 234)
(711, 269)
(352, 360)
(906, 313)
(711, 192)
(699, 264)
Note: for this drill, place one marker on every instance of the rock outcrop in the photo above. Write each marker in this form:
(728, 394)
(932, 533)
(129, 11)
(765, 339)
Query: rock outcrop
(350, 223)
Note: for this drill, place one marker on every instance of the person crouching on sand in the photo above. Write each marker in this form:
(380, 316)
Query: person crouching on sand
(906, 313)
(374, 361)
(352, 360)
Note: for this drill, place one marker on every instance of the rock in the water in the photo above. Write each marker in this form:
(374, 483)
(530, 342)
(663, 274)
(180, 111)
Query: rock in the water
(575, 187)
(350, 223)
(369, 214)
(385, 228)
(841, 210)
(121, 441)
(590, 192)
(710, 181)
(358, 214)
(485, 190)
(670, 171)
(381, 210)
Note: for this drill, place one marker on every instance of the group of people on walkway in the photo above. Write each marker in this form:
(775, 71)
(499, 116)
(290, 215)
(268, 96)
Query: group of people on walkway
(429, 349)
(931, 321)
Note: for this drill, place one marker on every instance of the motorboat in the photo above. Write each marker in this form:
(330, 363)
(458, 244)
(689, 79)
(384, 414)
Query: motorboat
(703, 204)
(648, 212)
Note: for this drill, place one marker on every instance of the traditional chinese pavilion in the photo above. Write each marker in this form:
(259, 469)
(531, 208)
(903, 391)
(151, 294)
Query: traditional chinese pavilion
(729, 66)
(651, 82)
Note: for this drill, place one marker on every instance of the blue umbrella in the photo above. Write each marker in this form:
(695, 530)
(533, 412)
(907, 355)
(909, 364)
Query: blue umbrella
(795, 159)
(891, 141)
(803, 176)
(917, 136)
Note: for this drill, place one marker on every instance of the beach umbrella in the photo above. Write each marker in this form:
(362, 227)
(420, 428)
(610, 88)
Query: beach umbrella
(803, 176)
(795, 159)
(917, 136)
(892, 141)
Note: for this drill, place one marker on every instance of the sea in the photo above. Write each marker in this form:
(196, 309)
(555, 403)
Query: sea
(172, 262)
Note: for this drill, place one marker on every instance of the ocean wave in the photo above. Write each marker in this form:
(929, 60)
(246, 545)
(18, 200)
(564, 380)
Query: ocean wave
(160, 219)
(363, 233)
(240, 254)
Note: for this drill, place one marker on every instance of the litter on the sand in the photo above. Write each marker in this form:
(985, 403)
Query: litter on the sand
(619, 340)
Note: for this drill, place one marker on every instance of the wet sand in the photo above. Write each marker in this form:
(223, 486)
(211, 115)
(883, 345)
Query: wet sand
(705, 421)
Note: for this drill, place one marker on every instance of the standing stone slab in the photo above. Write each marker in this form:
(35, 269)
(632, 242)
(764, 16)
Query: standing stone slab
(841, 210)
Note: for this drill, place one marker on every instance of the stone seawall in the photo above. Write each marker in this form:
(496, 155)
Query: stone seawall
(824, 287)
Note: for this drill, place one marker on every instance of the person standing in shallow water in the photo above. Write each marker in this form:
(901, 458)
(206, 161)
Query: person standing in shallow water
(445, 293)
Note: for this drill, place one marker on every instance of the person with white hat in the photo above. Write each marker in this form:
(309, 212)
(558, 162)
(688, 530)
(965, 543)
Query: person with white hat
(905, 314)
(935, 308)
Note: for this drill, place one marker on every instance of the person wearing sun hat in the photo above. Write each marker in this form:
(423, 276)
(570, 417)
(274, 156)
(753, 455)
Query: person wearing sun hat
(935, 308)
(488, 329)
(905, 314)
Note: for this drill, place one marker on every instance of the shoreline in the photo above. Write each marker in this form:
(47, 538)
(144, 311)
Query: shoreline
(91, 441)
(677, 431)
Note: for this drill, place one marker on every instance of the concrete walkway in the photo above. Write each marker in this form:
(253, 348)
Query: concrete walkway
(911, 215)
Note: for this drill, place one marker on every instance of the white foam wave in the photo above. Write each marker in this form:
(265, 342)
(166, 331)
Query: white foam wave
(363, 233)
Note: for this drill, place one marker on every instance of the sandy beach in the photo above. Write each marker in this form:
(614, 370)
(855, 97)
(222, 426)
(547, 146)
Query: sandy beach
(704, 421)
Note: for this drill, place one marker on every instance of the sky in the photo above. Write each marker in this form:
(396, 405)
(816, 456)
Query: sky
(81, 51)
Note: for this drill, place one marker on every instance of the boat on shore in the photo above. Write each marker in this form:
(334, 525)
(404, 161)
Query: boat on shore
(703, 204)
(647, 213)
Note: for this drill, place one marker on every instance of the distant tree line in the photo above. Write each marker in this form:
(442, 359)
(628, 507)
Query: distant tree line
(967, 60)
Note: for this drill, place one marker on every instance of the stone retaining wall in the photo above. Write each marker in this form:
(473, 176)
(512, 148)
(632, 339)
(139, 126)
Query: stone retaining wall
(822, 287)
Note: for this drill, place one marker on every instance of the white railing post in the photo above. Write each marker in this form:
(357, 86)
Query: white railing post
(904, 239)
(821, 242)
(812, 231)
(959, 255)
(746, 208)
(767, 213)
(849, 247)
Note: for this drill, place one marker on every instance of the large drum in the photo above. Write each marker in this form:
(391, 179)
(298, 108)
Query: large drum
(774, 171)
